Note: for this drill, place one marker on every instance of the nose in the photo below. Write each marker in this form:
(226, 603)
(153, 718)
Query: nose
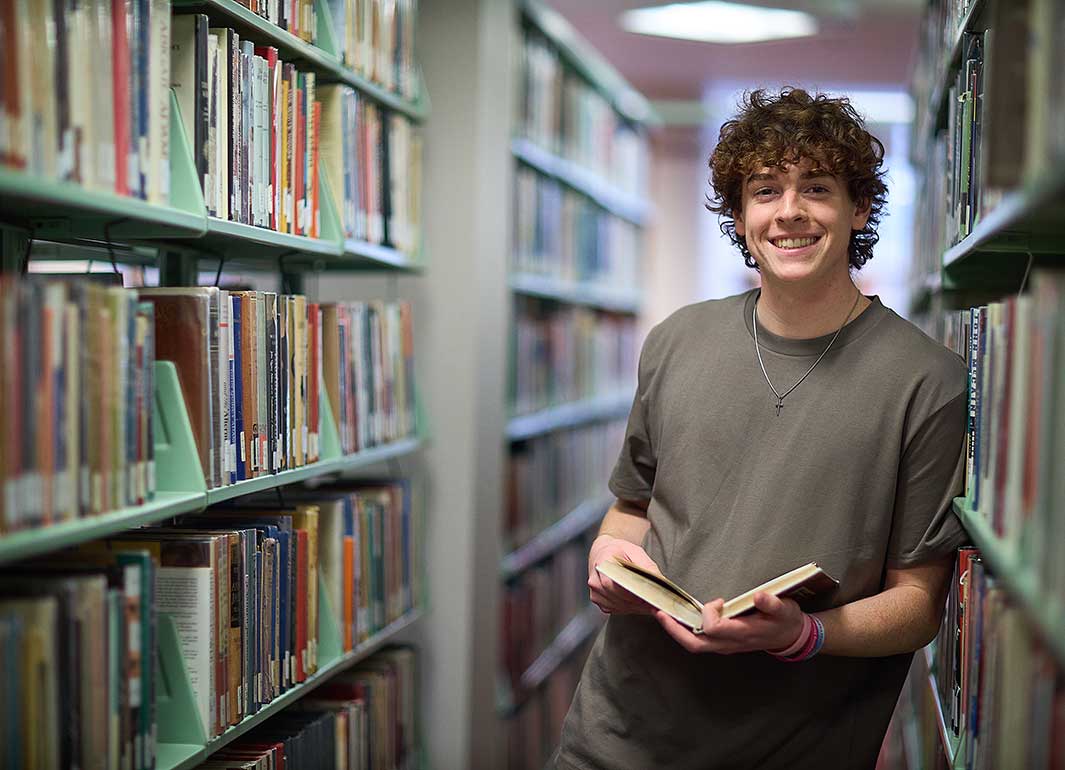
(791, 207)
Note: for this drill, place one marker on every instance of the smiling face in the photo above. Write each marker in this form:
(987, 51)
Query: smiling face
(797, 222)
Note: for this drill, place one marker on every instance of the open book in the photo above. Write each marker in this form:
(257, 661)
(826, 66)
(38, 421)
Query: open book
(661, 592)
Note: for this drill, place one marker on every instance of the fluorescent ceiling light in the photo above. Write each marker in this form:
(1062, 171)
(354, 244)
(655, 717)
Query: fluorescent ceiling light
(719, 22)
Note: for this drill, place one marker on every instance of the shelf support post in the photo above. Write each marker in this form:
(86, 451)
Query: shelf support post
(12, 249)
(177, 268)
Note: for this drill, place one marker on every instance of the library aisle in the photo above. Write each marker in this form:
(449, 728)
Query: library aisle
(319, 331)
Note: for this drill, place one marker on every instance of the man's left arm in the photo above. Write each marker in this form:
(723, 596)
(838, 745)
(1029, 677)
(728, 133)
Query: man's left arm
(904, 617)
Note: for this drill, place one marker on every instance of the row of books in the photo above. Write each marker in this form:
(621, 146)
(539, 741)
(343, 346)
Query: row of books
(241, 587)
(1004, 125)
(253, 122)
(539, 603)
(77, 645)
(296, 16)
(532, 734)
(253, 364)
(549, 476)
(375, 38)
(249, 363)
(369, 371)
(563, 353)
(85, 96)
(1015, 443)
(561, 233)
(998, 684)
(374, 161)
(76, 385)
(359, 720)
(940, 26)
(563, 113)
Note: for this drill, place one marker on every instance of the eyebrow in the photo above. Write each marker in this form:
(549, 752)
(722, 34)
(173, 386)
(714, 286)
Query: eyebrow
(764, 177)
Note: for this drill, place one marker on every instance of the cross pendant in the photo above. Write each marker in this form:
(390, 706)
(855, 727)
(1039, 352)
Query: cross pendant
(780, 405)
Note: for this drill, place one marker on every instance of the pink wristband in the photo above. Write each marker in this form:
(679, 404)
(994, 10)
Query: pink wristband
(800, 642)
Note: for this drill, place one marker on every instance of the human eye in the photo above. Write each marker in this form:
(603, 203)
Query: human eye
(817, 189)
(763, 192)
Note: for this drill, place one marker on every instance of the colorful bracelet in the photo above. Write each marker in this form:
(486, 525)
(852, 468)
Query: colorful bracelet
(800, 640)
(813, 643)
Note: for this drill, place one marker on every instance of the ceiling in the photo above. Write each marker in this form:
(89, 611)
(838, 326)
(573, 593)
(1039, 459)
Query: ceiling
(861, 43)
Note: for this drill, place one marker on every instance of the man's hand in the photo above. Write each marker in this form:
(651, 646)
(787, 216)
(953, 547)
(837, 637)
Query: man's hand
(608, 595)
(775, 625)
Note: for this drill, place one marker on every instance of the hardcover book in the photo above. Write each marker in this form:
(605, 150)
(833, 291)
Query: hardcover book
(661, 592)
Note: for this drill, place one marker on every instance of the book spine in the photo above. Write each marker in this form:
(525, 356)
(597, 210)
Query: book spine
(202, 104)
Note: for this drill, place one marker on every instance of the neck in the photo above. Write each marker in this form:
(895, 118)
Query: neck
(802, 312)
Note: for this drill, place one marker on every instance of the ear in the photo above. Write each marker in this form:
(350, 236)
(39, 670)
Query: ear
(861, 214)
(737, 220)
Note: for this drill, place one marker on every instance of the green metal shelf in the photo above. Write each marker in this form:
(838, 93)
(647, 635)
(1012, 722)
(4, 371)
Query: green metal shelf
(242, 240)
(572, 525)
(186, 757)
(618, 202)
(372, 256)
(569, 415)
(576, 293)
(953, 746)
(59, 210)
(52, 206)
(579, 55)
(32, 542)
(1026, 220)
(321, 58)
(1041, 607)
(362, 459)
(181, 486)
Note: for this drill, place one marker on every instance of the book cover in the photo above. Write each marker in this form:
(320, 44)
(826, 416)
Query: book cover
(182, 333)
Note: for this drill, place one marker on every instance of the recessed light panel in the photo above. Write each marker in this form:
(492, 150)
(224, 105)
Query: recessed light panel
(719, 22)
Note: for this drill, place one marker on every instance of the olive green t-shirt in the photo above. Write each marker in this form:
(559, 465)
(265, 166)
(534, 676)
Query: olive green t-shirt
(856, 473)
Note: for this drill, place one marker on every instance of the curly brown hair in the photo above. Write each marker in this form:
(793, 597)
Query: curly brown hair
(776, 130)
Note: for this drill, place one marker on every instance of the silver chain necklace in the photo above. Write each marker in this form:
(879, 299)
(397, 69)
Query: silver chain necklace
(758, 351)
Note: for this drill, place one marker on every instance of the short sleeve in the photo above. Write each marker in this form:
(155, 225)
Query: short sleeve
(634, 473)
(931, 475)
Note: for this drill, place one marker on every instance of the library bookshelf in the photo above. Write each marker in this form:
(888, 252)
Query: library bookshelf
(180, 237)
(987, 283)
(556, 275)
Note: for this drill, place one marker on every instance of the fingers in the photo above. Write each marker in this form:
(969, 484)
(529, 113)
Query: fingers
(613, 599)
(768, 603)
(682, 635)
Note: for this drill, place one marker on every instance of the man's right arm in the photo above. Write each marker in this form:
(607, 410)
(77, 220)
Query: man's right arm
(620, 535)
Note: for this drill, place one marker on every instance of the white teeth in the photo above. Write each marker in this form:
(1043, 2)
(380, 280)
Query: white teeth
(793, 243)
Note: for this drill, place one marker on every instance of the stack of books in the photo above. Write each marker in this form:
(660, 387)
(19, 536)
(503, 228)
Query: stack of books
(539, 604)
(566, 353)
(368, 371)
(1014, 350)
(565, 235)
(253, 122)
(358, 720)
(77, 645)
(375, 161)
(375, 39)
(565, 114)
(549, 476)
(69, 113)
(76, 394)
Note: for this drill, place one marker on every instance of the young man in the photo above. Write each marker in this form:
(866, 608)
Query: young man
(799, 422)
